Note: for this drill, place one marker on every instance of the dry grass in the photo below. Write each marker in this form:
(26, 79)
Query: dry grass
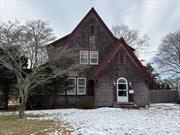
(12, 125)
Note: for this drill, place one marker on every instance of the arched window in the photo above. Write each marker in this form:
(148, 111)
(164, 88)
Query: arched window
(122, 86)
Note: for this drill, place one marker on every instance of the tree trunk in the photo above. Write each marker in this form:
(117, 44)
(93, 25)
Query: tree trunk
(66, 99)
(6, 96)
(53, 99)
(36, 53)
(21, 111)
(22, 106)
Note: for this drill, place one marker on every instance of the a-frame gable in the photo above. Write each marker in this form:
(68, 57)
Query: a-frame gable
(65, 40)
(108, 58)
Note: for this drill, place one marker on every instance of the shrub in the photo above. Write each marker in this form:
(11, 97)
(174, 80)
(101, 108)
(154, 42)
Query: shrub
(178, 101)
(87, 102)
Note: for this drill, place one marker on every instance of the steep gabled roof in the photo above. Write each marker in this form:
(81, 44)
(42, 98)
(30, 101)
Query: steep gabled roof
(68, 37)
(107, 59)
(61, 41)
(64, 40)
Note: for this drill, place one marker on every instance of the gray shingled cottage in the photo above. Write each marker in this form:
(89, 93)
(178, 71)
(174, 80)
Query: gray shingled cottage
(110, 71)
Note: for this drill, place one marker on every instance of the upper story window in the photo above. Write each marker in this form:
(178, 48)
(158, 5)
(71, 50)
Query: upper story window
(92, 30)
(73, 85)
(120, 59)
(89, 57)
(94, 57)
(83, 57)
(81, 86)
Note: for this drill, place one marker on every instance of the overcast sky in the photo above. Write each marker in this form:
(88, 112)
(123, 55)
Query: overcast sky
(156, 18)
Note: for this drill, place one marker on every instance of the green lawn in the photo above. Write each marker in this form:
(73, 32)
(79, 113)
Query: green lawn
(12, 125)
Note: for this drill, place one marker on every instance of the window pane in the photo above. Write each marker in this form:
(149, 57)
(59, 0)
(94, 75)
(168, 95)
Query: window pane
(81, 82)
(81, 85)
(73, 82)
(121, 81)
(94, 57)
(94, 54)
(121, 93)
(83, 57)
(121, 86)
(94, 60)
(73, 85)
(81, 90)
(84, 60)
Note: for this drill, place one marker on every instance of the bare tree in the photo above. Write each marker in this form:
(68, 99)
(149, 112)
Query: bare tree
(14, 54)
(132, 37)
(168, 58)
(38, 34)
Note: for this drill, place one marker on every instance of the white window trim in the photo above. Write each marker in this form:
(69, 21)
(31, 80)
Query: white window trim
(87, 56)
(78, 86)
(72, 93)
(126, 83)
(94, 57)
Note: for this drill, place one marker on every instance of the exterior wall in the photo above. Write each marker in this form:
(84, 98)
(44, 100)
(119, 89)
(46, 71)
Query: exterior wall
(105, 92)
(73, 101)
(47, 101)
(80, 41)
(163, 96)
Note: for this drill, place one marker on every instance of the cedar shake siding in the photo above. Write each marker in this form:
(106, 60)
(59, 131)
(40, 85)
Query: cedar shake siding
(105, 91)
(115, 59)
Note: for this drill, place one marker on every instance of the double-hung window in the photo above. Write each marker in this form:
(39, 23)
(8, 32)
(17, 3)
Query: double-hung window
(93, 57)
(73, 86)
(89, 57)
(81, 86)
(83, 57)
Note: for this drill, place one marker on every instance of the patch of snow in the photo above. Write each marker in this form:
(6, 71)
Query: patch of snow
(159, 119)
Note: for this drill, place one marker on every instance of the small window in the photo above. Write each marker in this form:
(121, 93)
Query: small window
(73, 86)
(94, 57)
(92, 42)
(121, 59)
(83, 57)
(92, 30)
(81, 86)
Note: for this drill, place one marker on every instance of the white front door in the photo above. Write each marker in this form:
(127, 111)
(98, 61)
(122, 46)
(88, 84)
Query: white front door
(122, 90)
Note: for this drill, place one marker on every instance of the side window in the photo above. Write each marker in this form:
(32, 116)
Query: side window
(120, 59)
(81, 86)
(73, 85)
(83, 57)
(94, 57)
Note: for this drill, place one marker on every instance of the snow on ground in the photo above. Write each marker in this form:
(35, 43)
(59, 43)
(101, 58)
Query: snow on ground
(159, 119)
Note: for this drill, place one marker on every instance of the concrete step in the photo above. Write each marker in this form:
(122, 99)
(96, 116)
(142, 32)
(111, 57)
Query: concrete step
(129, 105)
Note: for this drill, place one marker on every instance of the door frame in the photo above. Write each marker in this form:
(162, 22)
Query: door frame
(127, 92)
